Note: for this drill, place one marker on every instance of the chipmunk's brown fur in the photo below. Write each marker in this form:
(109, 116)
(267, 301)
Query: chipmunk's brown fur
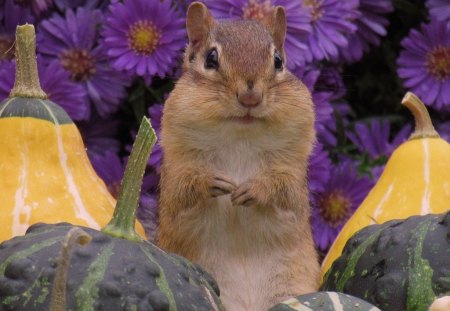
(236, 141)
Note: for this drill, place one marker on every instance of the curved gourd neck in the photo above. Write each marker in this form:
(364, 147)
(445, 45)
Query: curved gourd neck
(123, 222)
(424, 127)
(27, 79)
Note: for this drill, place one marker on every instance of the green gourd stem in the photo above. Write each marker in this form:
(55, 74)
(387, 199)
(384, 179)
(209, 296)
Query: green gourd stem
(27, 79)
(124, 218)
(75, 236)
(424, 126)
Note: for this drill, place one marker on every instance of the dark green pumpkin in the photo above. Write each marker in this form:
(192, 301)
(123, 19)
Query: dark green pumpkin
(106, 274)
(116, 270)
(399, 265)
(324, 301)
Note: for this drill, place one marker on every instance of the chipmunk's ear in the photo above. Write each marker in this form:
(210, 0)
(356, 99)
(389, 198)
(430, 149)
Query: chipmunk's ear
(198, 24)
(276, 23)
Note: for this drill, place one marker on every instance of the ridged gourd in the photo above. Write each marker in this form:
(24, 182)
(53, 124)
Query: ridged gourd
(415, 181)
(45, 173)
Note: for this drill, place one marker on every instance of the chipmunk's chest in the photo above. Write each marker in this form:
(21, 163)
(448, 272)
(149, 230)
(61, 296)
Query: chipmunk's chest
(239, 160)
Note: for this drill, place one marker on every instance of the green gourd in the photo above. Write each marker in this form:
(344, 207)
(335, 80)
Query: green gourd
(401, 265)
(324, 301)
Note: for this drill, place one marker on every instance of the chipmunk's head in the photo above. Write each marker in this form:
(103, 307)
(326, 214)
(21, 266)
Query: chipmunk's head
(235, 72)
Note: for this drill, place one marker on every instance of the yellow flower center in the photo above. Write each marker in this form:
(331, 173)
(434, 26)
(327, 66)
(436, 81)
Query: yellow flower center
(143, 37)
(316, 8)
(437, 62)
(335, 208)
(79, 62)
(256, 10)
(6, 48)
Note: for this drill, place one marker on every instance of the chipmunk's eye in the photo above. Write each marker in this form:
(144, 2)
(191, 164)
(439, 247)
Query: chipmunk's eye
(212, 60)
(278, 61)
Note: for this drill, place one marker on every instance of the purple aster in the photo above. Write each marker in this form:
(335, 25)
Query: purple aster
(38, 6)
(322, 103)
(330, 80)
(444, 130)
(108, 167)
(298, 21)
(424, 64)
(73, 40)
(148, 214)
(373, 138)
(17, 15)
(440, 9)
(331, 22)
(88, 4)
(182, 5)
(144, 37)
(371, 25)
(100, 135)
(155, 159)
(343, 193)
(318, 170)
(55, 81)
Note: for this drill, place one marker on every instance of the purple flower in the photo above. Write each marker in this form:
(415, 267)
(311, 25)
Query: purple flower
(108, 167)
(440, 9)
(55, 81)
(148, 214)
(444, 130)
(322, 104)
(318, 170)
(182, 5)
(73, 41)
(100, 135)
(424, 64)
(298, 21)
(144, 37)
(371, 25)
(155, 159)
(373, 138)
(343, 193)
(332, 21)
(16, 15)
(38, 6)
(88, 4)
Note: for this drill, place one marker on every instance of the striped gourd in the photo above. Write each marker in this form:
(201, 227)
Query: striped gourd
(324, 301)
(400, 265)
(45, 174)
(115, 270)
(415, 181)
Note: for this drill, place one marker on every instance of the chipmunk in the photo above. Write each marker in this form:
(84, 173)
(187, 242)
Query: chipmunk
(237, 131)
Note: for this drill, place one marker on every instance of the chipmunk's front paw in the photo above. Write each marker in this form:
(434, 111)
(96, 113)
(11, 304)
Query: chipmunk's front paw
(247, 194)
(221, 185)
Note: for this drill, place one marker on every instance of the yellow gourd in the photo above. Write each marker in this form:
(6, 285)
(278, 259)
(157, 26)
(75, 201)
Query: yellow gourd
(415, 181)
(45, 174)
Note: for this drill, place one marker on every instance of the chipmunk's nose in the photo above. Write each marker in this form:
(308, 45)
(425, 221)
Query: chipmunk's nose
(250, 97)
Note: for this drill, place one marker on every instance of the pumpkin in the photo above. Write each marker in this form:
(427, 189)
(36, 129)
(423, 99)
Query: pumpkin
(114, 270)
(324, 301)
(45, 174)
(399, 265)
(415, 181)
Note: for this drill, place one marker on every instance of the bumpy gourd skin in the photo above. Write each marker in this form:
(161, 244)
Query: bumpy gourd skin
(399, 265)
(324, 301)
(106, 274)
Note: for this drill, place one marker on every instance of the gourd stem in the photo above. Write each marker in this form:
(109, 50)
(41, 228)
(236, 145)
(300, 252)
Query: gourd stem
(58, 298)
(27, 78)
(124, 218)
(424, 126)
